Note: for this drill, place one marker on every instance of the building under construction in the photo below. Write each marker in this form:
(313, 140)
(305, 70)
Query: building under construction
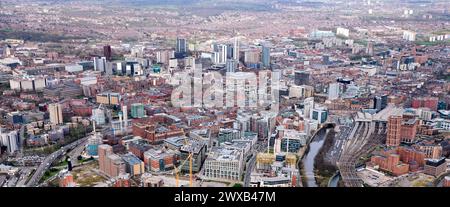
(264, 161)
(198, 150)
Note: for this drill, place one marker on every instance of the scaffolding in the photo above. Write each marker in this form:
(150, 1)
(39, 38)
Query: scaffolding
(264, 161)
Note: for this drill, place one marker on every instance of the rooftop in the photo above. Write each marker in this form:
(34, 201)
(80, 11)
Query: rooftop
(131, 159)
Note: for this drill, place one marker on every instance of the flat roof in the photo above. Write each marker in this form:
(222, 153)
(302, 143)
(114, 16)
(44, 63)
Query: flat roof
(131, 159)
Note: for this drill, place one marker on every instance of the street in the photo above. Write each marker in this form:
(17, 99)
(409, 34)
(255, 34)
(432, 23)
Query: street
(50, 159)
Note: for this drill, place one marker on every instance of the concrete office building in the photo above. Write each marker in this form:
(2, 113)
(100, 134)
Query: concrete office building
(137, 110)
(231, 65)
(228, 135)
(10, 140)
(55, 111)
(380, 102)
(302, 91)
(181, 48)
(265, 56)
(236, 49)
(292, 140)
(98, 116)
(133, 164)
(198, 150)
(224, 164)
(159, 160)
(333, 91)
(320, 114)
(301, 78)
(100, 64)
(28, 83)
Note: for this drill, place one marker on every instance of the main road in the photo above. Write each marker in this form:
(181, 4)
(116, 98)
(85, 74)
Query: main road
(248, 170)
(259, 147)
(50, 159)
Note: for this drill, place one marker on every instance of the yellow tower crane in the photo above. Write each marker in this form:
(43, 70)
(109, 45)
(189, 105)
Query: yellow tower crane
(177, 171)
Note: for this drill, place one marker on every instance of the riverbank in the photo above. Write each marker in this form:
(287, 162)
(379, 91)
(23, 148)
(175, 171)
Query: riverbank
(323, 169)
(308, 160)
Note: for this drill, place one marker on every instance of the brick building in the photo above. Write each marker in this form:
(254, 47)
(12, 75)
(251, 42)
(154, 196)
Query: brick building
(428, 102)
(394, 131)
(110, 163)
(409, 130)
(399, 161)
(435, 167)
(156, 128)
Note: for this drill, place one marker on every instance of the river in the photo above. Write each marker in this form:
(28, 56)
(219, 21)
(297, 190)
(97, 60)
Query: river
(308, 160)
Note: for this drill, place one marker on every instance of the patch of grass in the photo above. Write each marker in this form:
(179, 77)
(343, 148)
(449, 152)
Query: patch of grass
(421, 183)
(62, 163)
(32, 36)
(237, 185)
(89, 180)
(49, 173)
(427, 43)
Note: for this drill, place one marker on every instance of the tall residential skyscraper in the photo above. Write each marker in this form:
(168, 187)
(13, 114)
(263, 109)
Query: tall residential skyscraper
(236, 49)
(104, 151)
(230, 51)
(55, 111)
(181, 48)
(231, 65)
(189, 63)
(107, 52)
(125, 117)
(100, 64)
(369, 49)
(333, 91)
(308, 106)
(220, 54)
(394, 126)
(265, 56)
(380, 102)
(10, 140)
(163, 56)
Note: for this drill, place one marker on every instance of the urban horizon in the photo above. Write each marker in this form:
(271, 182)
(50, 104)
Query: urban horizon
(203, 93)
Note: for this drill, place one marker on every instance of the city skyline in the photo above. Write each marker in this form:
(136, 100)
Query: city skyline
(202, 93)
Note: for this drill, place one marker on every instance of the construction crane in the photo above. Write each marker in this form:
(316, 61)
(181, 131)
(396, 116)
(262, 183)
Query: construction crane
(177, 171)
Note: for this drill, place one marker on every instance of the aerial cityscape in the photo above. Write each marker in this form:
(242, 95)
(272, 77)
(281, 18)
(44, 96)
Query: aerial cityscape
(230, 93)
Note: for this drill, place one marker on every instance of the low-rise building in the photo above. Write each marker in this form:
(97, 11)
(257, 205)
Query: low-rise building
(159, 160)
(133, 164)
(224, 164)
(435, 167)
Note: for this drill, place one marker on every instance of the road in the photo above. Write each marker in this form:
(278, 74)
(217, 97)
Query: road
(249, 170)
(76, 152)
(259, 147)
(50, 159)
(24, 174)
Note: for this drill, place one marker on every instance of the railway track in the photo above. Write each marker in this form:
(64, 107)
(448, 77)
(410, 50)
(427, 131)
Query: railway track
(364, 137)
